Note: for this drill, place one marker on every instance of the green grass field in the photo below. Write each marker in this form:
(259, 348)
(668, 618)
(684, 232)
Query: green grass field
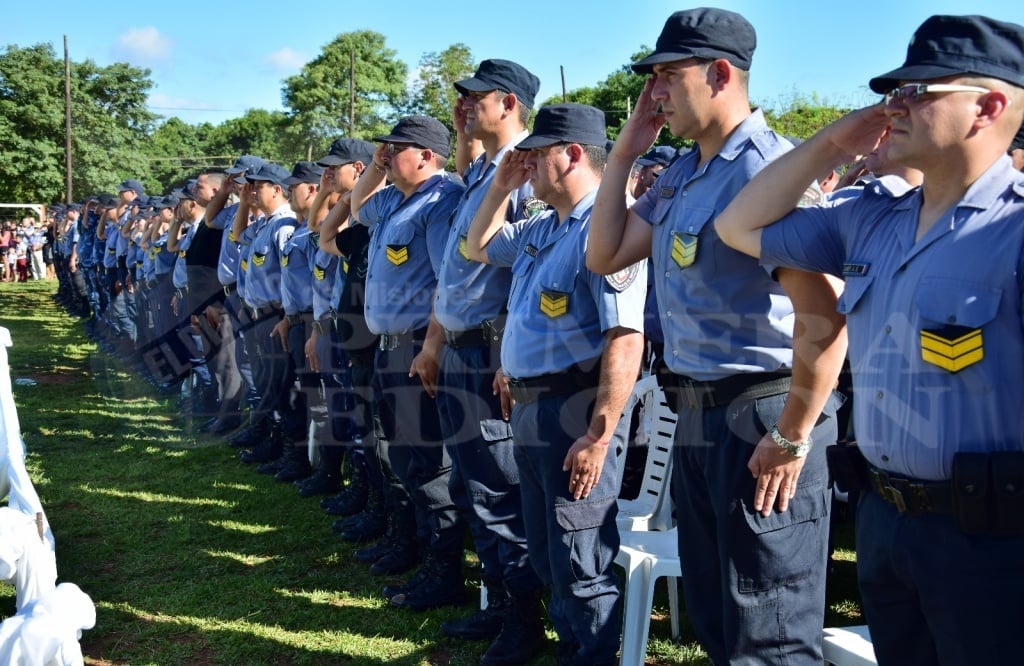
(193, 558)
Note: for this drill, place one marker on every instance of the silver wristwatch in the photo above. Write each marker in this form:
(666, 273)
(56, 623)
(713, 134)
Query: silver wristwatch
(798, 449)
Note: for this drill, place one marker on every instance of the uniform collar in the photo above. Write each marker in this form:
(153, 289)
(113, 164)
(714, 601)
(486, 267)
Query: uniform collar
(752, 126)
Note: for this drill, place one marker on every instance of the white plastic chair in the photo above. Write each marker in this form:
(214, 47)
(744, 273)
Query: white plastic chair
(646, 556)
(848, 646)
(652, 508)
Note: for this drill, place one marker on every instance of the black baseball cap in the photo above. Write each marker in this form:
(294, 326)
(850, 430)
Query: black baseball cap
(707, 33)
(422, 131)
(270, 172)
(951, 45)
(662, 155)
(133, 185)
(345, 151)
(304, 172)
(573, 123)
(503, 75)
(245, 163)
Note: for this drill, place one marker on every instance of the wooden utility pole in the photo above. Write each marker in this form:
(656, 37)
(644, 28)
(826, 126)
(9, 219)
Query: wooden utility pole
(67, 123)
(561, 68)
(351, 92)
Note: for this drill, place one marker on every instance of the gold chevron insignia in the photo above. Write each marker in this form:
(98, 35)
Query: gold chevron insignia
(684, 249)
(952, 348)
(284, 260)
(232, 237)
(245, 265)
(258, 259)
(181, 254)
(398, 254)
(554, 303)
(319, 273)
(462, 248)
(153, 251)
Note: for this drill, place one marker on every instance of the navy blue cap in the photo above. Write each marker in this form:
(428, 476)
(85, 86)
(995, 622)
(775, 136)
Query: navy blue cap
(270, 172)
(75, 206)
(245, 163)
(950, 45)
(304, 172)
(169, 201)
(662, 155)
(423, 131)
(108, 201)
(133, 185)
(344, 151)
(187, 191)
(707, 33)
(503, 75)
(574, 123)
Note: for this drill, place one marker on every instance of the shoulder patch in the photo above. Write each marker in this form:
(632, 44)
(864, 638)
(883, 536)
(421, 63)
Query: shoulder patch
(533, 206)
(620, 280)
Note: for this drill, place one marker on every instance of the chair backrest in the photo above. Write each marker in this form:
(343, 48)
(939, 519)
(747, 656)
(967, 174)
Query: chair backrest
(662, 427)
(652, 508)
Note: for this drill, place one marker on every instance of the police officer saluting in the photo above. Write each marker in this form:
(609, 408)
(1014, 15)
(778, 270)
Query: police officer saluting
(755, 352)
(571, 352)
(933, 299)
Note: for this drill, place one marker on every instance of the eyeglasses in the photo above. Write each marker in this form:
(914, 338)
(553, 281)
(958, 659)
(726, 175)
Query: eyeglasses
(911, 92)
(394, 148)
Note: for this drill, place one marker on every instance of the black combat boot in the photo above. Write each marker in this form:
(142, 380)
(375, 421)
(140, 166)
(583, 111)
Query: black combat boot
(484, 624)
(522, 635)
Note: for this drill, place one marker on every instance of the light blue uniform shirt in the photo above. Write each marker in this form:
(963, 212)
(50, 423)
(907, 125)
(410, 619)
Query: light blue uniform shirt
(470, 293)
(936, 327)
(227, 264)
(558, 311)
(721, 313)
(179, 275)
(326, 277)
(297, 272)
(110, 247)
(407, 239)
(163, 259)
(265, 240)
(122, 242)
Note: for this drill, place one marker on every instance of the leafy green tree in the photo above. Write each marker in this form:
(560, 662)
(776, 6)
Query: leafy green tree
(109, 124)
(269, 134)
(433, 93)
(801, 116)
(319, 99)
(31, 124)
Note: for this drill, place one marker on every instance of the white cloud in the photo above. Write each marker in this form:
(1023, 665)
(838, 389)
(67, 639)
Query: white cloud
(285, 60)
(143, 46)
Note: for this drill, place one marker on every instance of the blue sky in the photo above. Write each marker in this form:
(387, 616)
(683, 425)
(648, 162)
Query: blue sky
(212, 61)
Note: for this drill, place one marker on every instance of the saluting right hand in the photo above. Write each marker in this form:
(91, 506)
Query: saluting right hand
(643, 126)
(512, 172)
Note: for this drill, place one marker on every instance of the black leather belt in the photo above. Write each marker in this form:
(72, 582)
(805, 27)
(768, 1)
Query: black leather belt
(910, 495)
(392, 341)
(746, 386)
(296, 319)
(474, 337)
(265, 311)
(531, 389)
(230, 288)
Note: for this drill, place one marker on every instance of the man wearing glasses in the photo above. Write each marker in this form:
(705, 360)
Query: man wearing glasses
(409, 223)
(755, 353)
(933, 298)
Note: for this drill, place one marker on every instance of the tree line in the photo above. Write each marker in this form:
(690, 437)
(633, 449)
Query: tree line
(356, 87)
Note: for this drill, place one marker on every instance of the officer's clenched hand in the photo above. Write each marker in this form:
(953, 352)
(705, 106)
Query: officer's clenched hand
(500, 386)
(425, 366)
(776, 471)
(281, 331)
(584, 463)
